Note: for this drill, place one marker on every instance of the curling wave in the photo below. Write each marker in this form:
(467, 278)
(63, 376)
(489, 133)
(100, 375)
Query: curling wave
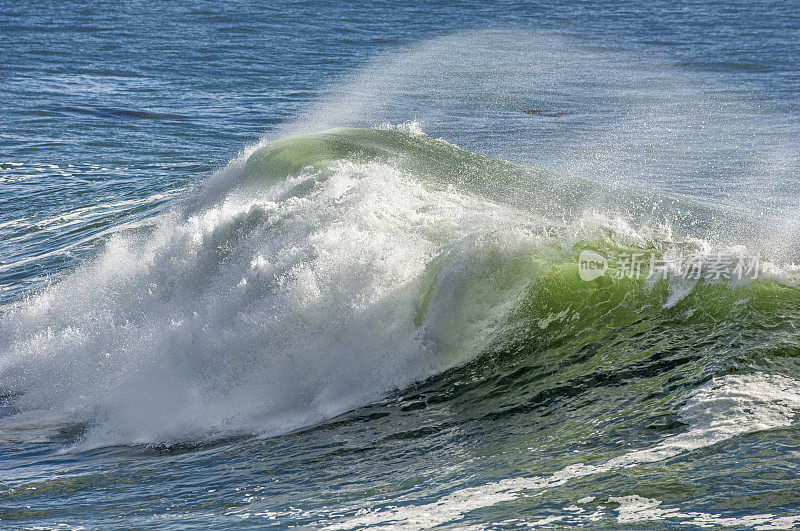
(328, 270)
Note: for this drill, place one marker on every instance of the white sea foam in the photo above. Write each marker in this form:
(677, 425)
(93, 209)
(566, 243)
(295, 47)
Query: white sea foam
(261, 313)
(412, 128)
(719, 410)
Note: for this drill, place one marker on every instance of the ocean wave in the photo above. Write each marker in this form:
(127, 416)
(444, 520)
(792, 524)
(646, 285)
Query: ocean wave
(319, 273)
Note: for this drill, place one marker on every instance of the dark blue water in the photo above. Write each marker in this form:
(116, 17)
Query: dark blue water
(114, 117)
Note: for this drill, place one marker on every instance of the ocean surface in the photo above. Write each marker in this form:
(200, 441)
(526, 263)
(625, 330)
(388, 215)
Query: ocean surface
(400, 264)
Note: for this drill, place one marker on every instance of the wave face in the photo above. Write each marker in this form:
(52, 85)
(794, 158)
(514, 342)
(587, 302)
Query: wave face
(342, 266)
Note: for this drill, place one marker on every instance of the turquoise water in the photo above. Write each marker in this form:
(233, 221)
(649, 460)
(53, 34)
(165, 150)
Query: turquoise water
(314, 265)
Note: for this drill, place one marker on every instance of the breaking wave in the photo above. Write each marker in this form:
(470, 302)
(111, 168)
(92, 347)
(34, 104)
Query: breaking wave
(323, 272)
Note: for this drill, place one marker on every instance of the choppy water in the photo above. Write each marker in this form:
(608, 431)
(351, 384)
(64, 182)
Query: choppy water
(313, 265)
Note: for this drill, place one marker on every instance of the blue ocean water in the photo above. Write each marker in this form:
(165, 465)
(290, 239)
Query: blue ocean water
(215, 314)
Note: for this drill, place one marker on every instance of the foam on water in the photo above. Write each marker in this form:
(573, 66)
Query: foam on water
(719, 410)
(261, 314)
